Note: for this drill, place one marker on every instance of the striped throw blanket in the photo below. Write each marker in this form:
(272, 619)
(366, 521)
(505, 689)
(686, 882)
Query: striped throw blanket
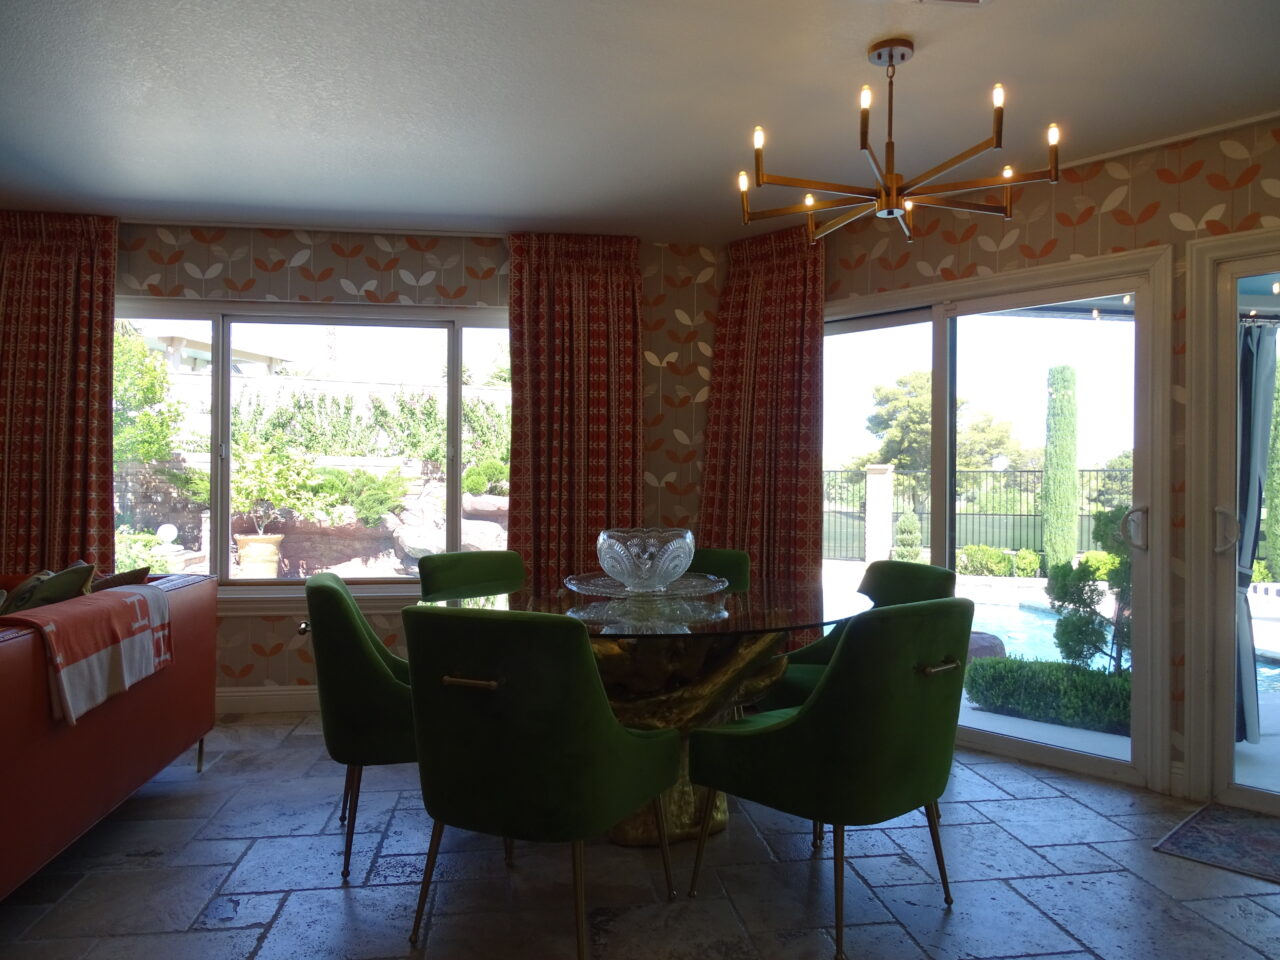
(100, 644)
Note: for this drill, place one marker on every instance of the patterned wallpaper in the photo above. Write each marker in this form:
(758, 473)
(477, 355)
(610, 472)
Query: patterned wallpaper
(1207, 186)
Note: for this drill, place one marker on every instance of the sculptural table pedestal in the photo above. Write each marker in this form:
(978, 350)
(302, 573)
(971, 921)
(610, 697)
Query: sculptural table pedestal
(683, 682)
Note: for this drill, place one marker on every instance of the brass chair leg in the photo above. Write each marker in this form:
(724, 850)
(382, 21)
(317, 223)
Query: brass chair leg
(200, 755)
(346, 797)
(660, 819)
(437, 831)
(837, 858)
(357, 773)
(933, 815)
(579, 900)
(817, 835)
(703, 831)
(508, 851)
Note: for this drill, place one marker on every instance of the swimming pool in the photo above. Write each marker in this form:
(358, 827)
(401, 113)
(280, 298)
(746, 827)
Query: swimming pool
(1028, 632)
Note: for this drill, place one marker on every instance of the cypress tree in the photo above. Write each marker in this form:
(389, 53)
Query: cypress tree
(1060, 495)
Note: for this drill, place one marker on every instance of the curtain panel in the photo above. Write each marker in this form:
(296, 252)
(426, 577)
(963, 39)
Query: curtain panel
(576, 441)
(57, 314)
(763, 477)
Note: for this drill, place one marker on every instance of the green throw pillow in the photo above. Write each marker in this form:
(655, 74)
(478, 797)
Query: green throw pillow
(123, 579)
(51, 587)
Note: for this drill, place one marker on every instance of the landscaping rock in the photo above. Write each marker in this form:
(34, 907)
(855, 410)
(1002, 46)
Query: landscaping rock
(985, 645)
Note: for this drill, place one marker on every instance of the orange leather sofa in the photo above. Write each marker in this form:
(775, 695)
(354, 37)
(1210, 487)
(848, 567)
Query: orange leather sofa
(59, 780)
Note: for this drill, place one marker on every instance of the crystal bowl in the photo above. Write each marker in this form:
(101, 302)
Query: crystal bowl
(645, 559)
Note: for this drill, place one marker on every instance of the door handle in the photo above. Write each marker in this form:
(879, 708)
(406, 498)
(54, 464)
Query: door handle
(1226, 535)
(1126, 526)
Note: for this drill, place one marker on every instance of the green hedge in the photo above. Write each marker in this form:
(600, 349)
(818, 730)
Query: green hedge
(1051, 692)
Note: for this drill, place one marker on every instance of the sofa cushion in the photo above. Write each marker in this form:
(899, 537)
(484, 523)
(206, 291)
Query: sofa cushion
(45, 587)
(123, 579)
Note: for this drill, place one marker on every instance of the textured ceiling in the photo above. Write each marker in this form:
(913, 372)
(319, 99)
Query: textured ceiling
(577, 115)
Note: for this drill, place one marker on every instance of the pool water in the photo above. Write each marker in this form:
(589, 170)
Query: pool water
(1027, 632)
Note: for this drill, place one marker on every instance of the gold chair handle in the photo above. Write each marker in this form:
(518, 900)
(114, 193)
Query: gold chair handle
(473, 684)
(941, 668)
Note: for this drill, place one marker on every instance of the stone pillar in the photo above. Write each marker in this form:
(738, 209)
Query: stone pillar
(879, 515)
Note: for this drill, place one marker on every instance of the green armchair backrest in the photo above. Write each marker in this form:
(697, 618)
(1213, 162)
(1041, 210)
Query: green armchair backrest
(540, 756)
(470, 573)
(888, 582)
(732, 565)
(363, 688)
(874, 741)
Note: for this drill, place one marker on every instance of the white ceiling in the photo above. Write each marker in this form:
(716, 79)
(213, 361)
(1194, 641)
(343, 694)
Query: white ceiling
(487, 116)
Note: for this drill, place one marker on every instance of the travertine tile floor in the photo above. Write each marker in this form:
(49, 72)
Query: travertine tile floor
(242, 861)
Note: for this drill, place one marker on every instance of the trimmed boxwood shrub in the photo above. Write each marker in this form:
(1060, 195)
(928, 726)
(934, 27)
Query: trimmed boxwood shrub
(1051, 692)
(979, 560)
(1026, 563)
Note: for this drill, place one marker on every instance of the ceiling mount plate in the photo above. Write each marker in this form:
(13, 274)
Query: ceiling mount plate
(895, 50)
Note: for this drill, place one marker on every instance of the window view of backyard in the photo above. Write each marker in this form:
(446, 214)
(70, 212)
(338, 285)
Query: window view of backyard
(337, 437)
(1043, 476)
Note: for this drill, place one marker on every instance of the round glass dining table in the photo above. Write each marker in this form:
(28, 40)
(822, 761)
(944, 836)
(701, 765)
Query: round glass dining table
(691, 656)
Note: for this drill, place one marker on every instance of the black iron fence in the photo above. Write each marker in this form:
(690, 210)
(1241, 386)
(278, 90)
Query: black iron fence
(998, 508)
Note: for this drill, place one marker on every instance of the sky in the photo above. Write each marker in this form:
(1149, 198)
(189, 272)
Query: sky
(1002, 365)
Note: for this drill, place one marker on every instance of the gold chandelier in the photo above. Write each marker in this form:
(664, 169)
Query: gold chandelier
(893, 197)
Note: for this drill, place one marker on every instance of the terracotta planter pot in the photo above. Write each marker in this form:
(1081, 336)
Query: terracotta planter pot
(259, 555)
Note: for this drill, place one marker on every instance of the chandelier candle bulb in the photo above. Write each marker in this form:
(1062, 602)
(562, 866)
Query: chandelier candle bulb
(1053, 152)
(997, 119)
(757, 140)
(864, 119)
(742, 189)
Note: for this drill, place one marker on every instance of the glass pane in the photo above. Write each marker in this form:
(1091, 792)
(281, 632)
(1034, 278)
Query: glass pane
(875, 449)
(338, 449)
(486, 437)
(162, 402)
(1044, 476)
(1257, 647)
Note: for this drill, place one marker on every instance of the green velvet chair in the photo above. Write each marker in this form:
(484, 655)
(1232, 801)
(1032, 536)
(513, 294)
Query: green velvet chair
(516, 736)
(874, 742)
(365, 708)
(470, 573)
(886, 582)
(732, 565)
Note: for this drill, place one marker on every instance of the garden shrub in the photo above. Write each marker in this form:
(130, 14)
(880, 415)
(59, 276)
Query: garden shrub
(1026, 563)
(369, 495)
(979, 560)
(140, 549)
(1261, 574)
(906, 539)
(488, 476)
(1051, 692)
(1102, 561)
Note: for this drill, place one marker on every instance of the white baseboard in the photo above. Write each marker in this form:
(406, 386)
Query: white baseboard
(267, 699)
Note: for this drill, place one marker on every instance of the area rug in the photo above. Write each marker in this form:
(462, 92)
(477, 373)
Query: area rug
(1228, 837)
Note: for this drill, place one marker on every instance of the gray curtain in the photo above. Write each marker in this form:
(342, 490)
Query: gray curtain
(1257, 390)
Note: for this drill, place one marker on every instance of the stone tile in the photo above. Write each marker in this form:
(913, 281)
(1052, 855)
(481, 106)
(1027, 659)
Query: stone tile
(176, 800)
(967, 786)
(892, 871)
(128, 844)
(324, 767)
(496, 936)
(405, 868)
(686, 928)
(873, 941)
(1246, 920)
(986, 920)
(121, 902)
(311, 725)
(195, 945)
(46, 886)
(1118, 915)
(952, 813)
(480, 896)
(349, 923)
(276, 764)
(1271, 902)
(1118, 799)
(786, 896)
(392, 776)
(1078, 858)
(1180, 878)
(299, 863)
(973, 851)
(1015, 780)
(966, 755)
(287, 808)
(71, 949)
(857, 843)
(373, 811)
(263, 733)
(769, 820)
(1148, 826)
(409, 831)
(15, 918)
(239, 910)
(1052, 821)
(201, 853)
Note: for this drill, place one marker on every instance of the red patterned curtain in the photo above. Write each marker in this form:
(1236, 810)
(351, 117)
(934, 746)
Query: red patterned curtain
(763, 486)
(57, 312)
(576, 442)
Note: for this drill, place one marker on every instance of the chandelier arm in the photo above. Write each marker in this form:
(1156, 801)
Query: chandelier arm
(836, 223)
(950, 203)
(906, 227)
(959, 158)
(869, 193)
(872, 159)
(984, 183)
(751, 215)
